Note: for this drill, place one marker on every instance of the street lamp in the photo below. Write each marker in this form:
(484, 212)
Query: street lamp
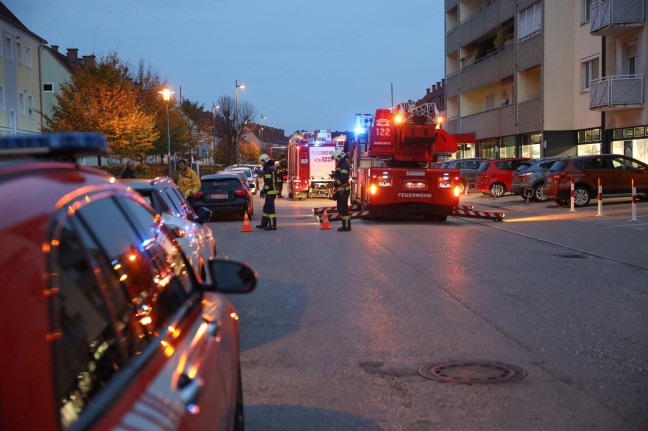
(166, 96)
(263, 117)
(236, 142)
(214, 109)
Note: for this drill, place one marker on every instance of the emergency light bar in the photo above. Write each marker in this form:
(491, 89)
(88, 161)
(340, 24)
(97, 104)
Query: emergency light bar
(64, 145)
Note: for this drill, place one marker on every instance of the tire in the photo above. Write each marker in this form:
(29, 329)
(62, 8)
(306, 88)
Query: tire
(239, 417)
(463, 187)
(581, 196)
(497, 190)
(539, 193)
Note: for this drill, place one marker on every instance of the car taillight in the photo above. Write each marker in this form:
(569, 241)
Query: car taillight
(199, 194)
(524, 174)
(241, 192)
(373, 189)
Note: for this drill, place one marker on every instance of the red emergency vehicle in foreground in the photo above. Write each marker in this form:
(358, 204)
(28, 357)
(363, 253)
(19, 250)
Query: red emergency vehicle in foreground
(310, 164)
(105, 324)
(391, 170)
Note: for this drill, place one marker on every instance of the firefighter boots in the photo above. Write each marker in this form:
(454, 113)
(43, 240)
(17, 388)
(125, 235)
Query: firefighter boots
(272, 225)
(346, 226)
(264, 223)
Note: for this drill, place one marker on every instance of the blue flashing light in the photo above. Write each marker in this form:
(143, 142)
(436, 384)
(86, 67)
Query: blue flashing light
(64, 144)
(360, 130)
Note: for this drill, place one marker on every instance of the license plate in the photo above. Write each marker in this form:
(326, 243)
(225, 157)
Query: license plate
(218, 196)
(384, 183)
(412, 185)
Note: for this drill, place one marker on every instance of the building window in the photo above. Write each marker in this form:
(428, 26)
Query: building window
(589, 72)
(28, 56)
(629, 53)
(9, 48)
(586, 11)
(490, 102)
(48, 87)
(2, 99)
(530, 21)
(19, 53)
(30, 104)
(21, 103)
(589, 135)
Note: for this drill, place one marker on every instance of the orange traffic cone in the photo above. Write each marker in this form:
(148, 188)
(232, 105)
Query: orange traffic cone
(246, 224)
(325, 221)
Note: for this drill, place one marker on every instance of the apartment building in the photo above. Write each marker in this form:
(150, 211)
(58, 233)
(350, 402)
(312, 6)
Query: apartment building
(545, 78)
(20, 96)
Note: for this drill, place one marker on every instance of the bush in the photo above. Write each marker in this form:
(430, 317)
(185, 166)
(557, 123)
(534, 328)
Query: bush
(141, 171)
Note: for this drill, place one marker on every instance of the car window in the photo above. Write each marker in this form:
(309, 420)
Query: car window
(547, 164)
(504, 165)
(594, 163)
(483, 167)
(524, 166)
(180, 202)
(558, 166)
(116, 288)
(472, 164)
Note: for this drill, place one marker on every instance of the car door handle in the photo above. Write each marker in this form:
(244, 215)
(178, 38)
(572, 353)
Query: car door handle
(190, 388)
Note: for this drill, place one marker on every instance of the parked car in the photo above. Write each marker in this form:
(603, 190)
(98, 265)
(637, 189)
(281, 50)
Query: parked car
(494, 176)
(106, 325)
(615, 171)
(196, 239)
(467, 171)
(225, 193)
(531, 175)
(249, 175)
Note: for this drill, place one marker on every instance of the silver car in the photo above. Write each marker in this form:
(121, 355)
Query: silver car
(196, 239)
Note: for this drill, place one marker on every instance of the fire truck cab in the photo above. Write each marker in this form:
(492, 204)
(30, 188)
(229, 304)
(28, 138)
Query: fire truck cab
(392, 177)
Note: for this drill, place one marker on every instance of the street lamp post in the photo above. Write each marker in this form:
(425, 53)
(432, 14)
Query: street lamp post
(166, 96)
(236, 142)
(263, 117)
(214, 108)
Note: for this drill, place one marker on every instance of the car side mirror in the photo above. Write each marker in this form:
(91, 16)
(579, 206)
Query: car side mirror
(204, 215)
(230, 277)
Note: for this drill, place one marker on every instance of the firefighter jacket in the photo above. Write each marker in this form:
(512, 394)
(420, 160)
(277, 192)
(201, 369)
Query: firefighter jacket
(269, 179)
(279, 173)
(188, 183)
(341, 175)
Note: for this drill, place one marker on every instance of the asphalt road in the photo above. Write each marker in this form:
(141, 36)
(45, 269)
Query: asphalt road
(340, 324)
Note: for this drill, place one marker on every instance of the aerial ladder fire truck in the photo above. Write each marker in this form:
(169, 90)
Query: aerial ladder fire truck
(310, 163)
(391, 170)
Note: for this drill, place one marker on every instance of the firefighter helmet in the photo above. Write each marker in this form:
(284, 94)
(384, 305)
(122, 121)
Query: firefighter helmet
(263, 159)
(337, 154)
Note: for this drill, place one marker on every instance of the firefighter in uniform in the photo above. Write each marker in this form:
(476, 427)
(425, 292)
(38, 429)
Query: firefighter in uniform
(269, 193)
(342, 188)
(188, 181)
(279, 173)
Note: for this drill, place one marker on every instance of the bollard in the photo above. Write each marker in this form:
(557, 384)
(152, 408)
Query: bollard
(572, 195)
(634, 201)
(600, 198)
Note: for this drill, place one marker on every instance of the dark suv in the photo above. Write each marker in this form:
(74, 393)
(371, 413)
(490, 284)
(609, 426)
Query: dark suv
(467, 171)
(530, 177)
(616, 172)
(105, 325)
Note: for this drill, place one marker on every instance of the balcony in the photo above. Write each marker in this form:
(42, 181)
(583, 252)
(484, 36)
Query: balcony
(612, 17)
(617, 93)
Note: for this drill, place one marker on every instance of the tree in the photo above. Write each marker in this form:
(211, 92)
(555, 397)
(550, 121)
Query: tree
(226, 150)
(101, 97)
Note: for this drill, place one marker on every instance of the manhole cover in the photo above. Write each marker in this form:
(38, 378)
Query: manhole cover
(472, 372)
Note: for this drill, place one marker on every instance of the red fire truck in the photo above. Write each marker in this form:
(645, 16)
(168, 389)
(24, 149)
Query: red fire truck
(309, 161)
(391, 168)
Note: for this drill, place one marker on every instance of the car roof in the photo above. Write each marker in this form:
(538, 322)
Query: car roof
(218, 175)
(159, 183)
